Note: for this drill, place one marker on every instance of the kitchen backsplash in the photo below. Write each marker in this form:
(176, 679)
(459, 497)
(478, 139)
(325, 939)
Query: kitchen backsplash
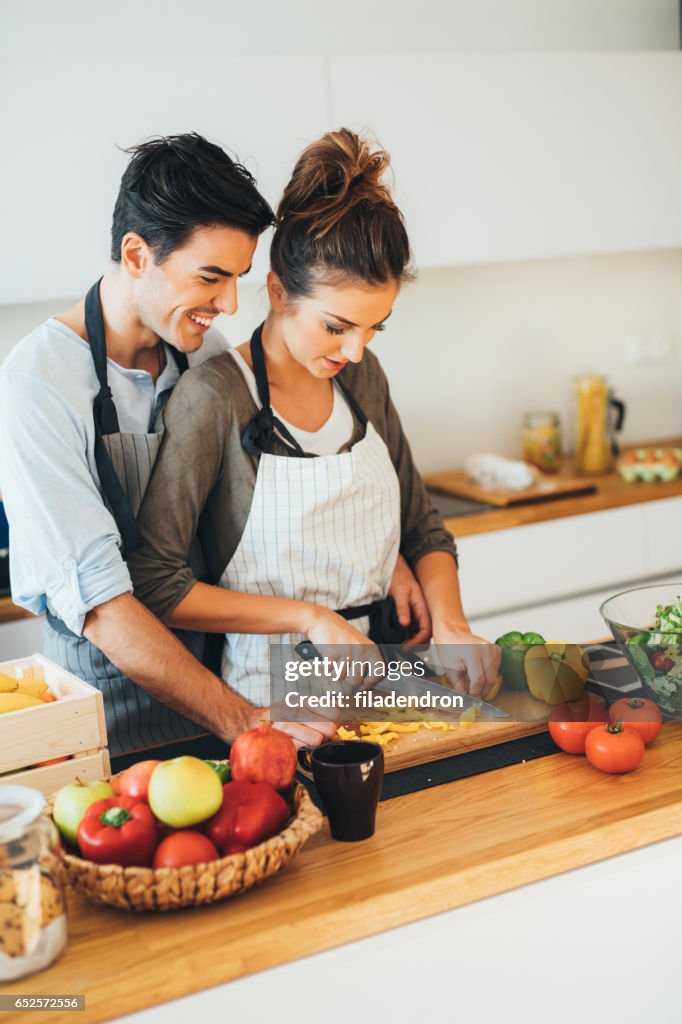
(469, 349)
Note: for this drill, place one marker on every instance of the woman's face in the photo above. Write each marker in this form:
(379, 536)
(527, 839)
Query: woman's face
(331, 327)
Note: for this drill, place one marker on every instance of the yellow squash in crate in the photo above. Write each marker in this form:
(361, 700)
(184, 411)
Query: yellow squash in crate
(556, 672)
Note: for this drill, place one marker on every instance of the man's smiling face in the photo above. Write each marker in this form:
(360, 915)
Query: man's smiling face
(179, 298)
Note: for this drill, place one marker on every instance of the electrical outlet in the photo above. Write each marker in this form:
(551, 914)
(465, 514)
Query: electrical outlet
(649, 349)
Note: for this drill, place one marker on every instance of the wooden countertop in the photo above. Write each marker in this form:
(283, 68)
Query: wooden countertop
(10, 612)
(434, 850)
(612, 492)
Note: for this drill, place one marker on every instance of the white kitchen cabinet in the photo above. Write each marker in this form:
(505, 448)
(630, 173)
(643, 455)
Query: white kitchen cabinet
(553, 576)
(567, 620)
(66, 119)
(662, 534)
(526, 565)
(21, 638)
(521, 156)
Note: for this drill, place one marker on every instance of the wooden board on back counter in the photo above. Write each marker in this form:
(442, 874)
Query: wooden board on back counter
(547, 488)
(527, 717)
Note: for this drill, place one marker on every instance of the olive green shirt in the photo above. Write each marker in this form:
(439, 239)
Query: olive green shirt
(203, 481)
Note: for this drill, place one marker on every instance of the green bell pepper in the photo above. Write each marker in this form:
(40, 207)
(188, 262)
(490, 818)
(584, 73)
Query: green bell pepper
(514, 646)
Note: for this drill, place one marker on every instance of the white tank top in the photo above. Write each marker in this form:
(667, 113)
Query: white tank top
(331, 436)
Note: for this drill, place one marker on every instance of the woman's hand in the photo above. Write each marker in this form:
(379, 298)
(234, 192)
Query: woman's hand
(338, 640)
(410, 604)
(470, 662)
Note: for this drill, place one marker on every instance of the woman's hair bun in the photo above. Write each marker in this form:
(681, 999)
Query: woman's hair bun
(331, 176)
(337, 218)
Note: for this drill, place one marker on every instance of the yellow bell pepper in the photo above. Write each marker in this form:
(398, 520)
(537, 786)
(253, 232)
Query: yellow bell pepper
(556, 672)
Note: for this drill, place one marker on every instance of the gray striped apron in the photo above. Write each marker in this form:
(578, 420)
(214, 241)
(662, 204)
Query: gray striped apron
(134, 719)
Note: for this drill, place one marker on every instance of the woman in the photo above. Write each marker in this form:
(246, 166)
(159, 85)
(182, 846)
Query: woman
(287, 457)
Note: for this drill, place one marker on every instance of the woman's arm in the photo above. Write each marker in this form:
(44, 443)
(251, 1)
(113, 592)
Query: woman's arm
(473, 662)
(196, 463)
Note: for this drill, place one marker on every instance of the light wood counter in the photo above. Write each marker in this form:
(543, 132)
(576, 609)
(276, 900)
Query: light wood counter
(10, 612)
(612, 492)
(434, 850)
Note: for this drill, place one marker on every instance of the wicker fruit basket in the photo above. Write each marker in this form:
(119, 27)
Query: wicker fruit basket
(194, 885)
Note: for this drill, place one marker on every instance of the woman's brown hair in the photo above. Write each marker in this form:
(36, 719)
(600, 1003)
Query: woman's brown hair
(337, 219)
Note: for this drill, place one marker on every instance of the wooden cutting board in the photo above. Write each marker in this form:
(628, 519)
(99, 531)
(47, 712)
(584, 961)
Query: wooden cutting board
(548, 486)
(527, 717)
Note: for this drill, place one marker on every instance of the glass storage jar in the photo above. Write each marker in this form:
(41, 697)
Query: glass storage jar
(32, 910)
(541, 439)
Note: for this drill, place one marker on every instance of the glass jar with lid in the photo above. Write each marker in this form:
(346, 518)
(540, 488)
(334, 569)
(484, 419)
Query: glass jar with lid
(32, 910)
(541, 440)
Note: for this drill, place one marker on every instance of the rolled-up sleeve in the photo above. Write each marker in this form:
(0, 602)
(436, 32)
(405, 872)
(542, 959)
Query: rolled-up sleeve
(64, 543)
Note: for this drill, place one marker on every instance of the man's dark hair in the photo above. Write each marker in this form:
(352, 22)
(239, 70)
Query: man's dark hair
(177, 183)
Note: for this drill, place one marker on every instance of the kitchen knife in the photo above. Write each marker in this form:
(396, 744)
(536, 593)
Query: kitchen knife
(419, 687)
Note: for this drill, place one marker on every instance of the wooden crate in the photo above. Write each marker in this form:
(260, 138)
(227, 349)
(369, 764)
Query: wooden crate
(71, 726)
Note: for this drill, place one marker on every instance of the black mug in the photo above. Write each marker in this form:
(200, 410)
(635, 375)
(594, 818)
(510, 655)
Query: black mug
(348, 775)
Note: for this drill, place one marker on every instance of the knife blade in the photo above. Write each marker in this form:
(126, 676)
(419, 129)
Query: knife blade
(417, 686)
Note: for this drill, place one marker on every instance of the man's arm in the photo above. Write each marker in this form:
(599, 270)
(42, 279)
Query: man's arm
(148, 653)
(145, 651)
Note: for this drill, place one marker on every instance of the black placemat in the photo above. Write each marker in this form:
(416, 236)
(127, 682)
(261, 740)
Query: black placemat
(460, 766)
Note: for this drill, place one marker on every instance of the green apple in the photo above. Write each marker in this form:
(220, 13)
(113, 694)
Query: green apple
(73, 801)
(184, 791)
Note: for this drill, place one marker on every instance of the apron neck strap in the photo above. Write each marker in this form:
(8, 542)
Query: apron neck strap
(181, 360)
(258, 363)
(106, 422)
(259, 435)
(105, 410)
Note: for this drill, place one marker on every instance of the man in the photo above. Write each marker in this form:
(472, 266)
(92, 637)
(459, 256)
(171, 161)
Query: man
(81, 402)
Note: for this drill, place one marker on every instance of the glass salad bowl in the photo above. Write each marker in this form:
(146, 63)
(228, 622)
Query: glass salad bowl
(647, 623)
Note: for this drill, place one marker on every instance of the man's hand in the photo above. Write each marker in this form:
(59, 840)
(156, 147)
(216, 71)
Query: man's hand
(410, 604)
(304, 734)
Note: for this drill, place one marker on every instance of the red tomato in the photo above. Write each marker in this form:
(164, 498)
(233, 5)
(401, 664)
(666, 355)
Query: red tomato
(569, 724)
(611, 748)
(184, 847)
(662, 663)
(134, 781)
(640, 714)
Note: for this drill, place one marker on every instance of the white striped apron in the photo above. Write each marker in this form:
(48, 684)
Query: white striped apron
(324, 529)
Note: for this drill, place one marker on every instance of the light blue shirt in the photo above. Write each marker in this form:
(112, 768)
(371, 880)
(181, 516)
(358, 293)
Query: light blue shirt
(65, 548)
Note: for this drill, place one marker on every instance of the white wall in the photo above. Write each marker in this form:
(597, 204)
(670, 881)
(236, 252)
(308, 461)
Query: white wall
(217, 29)
(490, 341)
(469, 349)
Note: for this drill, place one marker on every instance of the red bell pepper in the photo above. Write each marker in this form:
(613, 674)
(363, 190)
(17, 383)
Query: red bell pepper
(250, 813)
(118, 830)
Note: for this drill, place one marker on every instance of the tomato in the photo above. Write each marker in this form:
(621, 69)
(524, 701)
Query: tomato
(184, 847)
(134, 781)
(662, 664)
(570, 723)
(612, 748)
(640, 714)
